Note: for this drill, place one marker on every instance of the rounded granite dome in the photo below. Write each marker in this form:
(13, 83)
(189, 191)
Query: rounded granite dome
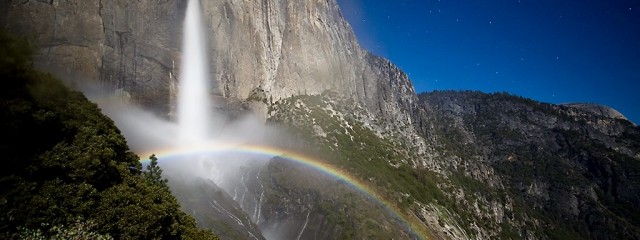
(598, 109)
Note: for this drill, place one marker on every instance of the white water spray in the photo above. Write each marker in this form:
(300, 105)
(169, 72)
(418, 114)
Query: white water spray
(193, 97)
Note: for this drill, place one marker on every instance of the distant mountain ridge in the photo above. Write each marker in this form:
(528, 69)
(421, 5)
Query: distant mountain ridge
(575, 173)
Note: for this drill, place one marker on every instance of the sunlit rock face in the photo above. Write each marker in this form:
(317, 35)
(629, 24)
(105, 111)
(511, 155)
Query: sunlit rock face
(283, 47)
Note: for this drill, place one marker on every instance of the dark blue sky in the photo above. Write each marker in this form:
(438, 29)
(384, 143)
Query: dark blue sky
(555, 51)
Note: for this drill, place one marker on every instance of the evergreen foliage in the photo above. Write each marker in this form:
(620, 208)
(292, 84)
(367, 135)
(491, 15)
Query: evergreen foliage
(66, 169)
(154, 173)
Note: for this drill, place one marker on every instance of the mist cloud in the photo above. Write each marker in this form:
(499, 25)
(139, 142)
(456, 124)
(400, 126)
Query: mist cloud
(146, 132)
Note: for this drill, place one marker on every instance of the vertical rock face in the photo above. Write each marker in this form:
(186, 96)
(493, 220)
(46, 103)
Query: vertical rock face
(283, 47)
(141, 48)
(126, 45)
(68, 34)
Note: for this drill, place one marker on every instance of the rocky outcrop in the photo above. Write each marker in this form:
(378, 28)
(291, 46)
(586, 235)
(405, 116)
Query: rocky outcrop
(283, 47)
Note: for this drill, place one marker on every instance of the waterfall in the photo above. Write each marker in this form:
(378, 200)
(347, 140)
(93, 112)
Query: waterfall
(193, 97)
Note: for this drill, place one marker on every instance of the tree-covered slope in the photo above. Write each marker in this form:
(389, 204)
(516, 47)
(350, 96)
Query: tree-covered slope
(66, 169)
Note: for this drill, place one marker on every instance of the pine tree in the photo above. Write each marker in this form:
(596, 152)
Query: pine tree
(154, 173)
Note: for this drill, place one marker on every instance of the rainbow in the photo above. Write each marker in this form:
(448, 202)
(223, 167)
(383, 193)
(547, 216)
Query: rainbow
(305, 160)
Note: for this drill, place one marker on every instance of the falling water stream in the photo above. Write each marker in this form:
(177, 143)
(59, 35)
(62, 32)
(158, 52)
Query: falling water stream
(193, 100)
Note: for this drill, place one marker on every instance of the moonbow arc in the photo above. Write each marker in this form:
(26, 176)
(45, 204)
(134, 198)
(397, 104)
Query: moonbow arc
(305, 160)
